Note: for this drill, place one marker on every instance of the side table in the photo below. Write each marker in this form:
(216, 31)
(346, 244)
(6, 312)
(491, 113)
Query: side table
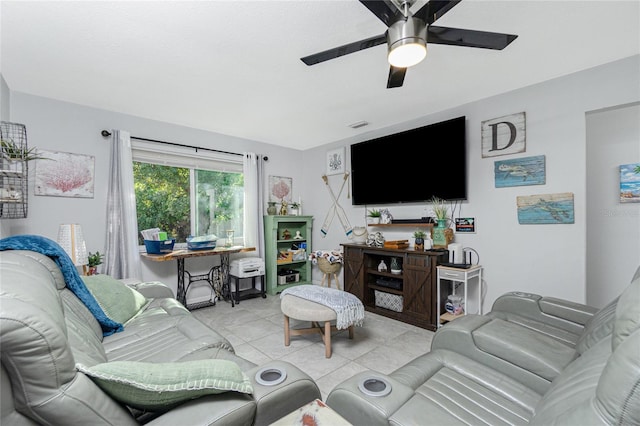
(459, 276)
(315, 413)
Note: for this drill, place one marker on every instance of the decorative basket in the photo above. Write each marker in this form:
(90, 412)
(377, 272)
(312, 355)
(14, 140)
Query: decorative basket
(327, 267)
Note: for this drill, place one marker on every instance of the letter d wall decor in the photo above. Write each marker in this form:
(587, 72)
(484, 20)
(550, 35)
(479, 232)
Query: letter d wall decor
(503, 135)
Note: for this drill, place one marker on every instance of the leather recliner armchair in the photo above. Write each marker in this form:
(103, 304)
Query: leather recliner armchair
(494, 370)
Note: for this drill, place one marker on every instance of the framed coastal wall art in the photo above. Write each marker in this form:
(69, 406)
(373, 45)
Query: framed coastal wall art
(64, 174)
(630, 183)
(504, 135)
(546, 209)
(280, 189)
(336, 161)
(520, 172)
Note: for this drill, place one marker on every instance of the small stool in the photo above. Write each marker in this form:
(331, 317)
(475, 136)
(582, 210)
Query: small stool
(305, 310)
(328, 269)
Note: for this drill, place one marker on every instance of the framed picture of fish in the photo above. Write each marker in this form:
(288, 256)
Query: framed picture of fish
(546, 209)
(630, 183)
(520, 172)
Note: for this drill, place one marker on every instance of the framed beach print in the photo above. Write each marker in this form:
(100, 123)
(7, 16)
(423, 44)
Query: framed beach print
(630, 183)
(335, 161)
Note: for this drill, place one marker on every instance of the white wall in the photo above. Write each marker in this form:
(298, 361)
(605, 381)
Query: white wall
(544, 259)
(5, 100)
(613, 228)
(5, 115)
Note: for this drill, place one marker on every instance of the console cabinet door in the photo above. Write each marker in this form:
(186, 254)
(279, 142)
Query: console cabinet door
(354, 271)
(418, 288)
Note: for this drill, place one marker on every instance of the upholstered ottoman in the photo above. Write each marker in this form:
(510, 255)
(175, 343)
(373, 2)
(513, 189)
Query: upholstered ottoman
(320, 305)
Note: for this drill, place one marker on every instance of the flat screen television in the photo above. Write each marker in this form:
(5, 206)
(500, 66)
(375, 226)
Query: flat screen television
(411, 166)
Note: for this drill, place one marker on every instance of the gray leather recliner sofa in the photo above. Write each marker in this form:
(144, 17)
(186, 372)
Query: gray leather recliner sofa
(45, 330)
(530, 361)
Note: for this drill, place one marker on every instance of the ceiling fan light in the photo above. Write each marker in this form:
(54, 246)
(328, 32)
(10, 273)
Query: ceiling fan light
(407, 42)
(407, 55)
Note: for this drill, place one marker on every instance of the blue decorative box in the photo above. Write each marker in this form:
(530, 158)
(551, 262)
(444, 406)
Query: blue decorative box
(206, 242)
(159, 247)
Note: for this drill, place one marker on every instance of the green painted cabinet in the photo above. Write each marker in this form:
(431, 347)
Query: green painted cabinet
(286, 263)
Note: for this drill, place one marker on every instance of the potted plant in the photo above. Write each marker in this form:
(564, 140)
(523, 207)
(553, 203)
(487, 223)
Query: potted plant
(95, 259)
(374, 216)
(15, 154)
(294, 209)
(419, 243)
(440, 211)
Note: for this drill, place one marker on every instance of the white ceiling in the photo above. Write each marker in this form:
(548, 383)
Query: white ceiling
(233, 67)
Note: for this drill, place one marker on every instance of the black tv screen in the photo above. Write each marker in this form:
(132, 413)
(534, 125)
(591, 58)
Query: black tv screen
(411, 166)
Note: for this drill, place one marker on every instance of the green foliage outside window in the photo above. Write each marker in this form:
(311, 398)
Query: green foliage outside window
(163, 200)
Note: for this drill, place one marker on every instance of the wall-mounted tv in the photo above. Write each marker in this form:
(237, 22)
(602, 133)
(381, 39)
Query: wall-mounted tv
(411, 166)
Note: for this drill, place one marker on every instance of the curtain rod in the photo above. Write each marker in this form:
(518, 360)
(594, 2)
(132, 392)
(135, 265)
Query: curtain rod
(106, 134)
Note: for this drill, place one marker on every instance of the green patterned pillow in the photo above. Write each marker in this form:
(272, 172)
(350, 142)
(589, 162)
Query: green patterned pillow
(158, 386)
(118, 301)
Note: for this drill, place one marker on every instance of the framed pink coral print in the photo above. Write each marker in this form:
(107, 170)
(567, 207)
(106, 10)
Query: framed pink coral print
(280, 189)
(63, 174)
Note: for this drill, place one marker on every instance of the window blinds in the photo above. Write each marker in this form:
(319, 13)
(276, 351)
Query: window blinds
(191, 158)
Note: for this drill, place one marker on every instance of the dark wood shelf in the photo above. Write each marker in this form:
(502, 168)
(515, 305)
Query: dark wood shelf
(385, 289)
(404, 225)
(384, 274)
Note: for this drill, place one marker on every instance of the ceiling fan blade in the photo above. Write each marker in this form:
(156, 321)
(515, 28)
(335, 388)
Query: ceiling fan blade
(396, 77)
(385, 10)
(344, 50)
(468, 38)
(434, 9)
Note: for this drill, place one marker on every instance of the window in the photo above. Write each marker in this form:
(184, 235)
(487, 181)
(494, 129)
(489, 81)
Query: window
(187, 193)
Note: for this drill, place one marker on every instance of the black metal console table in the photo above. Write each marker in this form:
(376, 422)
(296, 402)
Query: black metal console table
(221, 291)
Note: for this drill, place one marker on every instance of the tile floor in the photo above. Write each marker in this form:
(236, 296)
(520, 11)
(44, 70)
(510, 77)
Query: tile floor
(255, 329)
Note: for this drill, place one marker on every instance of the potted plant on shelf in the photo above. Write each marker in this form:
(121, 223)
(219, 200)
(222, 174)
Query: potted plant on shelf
(440, 211)
(95, 259)
(419, 236)
(294, 209)
(15, 154)
(374, 216)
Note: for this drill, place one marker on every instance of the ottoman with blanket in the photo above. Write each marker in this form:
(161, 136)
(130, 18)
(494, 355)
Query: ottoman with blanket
(320, 304)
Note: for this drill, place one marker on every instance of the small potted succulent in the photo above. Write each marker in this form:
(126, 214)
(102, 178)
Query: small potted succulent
(419, 236)
(95, 259)
(374, 216)
(294, 209)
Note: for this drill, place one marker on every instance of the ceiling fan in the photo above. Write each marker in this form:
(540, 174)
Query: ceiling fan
(408, 35)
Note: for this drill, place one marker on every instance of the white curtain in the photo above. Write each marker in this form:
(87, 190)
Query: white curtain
(122, 258)
(253, 202)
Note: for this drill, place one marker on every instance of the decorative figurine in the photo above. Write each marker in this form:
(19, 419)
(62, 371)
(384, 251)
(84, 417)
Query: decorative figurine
(286, 235)
(283, 208)
(298, 236)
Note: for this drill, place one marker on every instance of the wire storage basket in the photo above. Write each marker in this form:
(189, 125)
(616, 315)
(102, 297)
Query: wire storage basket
(13, 171)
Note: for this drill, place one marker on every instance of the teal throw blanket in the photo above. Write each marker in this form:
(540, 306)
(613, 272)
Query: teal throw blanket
(69, 272)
